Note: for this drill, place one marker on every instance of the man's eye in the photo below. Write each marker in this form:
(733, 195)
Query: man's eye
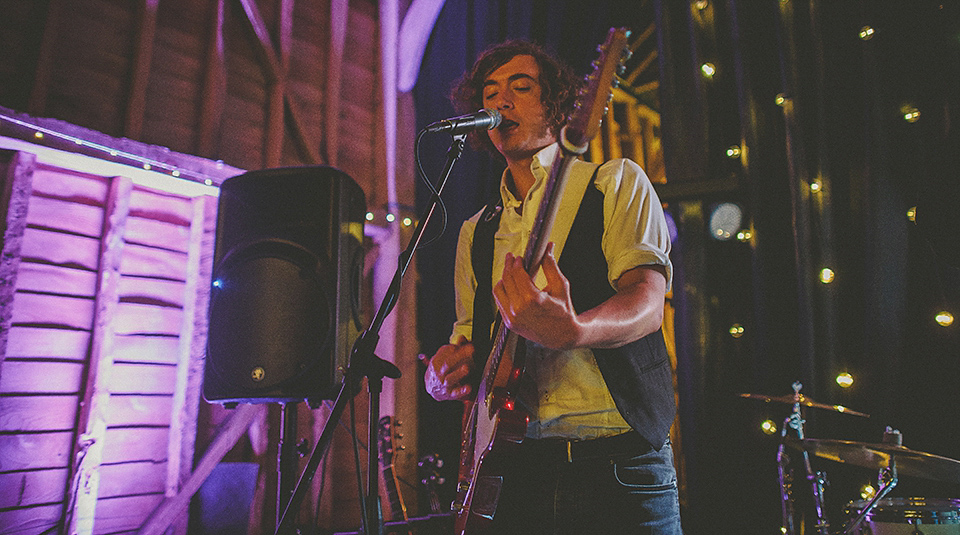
(490, 96)
(522, 89)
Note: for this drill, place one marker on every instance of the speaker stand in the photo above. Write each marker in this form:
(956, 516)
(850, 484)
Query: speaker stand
(287, 456)
(364, 363)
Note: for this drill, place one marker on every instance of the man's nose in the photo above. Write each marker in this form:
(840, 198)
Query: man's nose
(502, 102)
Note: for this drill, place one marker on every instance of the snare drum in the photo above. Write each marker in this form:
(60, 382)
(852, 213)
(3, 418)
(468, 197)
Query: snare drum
(908, 516)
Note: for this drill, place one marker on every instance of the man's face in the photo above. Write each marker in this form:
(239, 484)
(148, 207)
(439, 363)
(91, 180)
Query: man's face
(514, 90)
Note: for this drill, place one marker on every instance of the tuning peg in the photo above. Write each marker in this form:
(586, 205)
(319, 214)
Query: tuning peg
(441, 481)
(627, 54)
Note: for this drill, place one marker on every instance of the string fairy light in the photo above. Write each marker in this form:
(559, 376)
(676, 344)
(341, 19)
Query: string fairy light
(48, 136)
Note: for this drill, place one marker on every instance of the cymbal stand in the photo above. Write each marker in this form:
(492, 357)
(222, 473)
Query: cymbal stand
(817, 479)
(887, 479)
(785, 477)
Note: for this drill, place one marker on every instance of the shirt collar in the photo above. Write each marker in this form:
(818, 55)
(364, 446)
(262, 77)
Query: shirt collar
(540, 166)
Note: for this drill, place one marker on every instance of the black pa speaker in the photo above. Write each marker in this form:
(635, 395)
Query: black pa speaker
(284, 305)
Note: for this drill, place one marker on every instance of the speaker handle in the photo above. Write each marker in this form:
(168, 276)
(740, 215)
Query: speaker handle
(364, 363)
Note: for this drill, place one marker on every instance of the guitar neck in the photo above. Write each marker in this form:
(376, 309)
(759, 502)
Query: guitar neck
(397, 510)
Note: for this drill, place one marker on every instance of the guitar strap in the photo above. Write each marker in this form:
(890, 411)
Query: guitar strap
(482, 262)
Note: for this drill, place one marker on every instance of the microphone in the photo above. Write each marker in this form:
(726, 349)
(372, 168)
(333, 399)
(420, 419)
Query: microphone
(485, 119)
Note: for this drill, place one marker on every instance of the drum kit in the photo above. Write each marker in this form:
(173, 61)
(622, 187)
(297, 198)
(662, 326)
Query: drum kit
(878, 515)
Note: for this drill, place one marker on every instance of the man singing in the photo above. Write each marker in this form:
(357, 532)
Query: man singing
(597, 381)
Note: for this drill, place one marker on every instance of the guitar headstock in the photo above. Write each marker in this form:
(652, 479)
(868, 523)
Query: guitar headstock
(386, 435)
(584, 123)
(428, 470)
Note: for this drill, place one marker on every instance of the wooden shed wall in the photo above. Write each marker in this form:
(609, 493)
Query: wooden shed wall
(104, 322)
(252, 83)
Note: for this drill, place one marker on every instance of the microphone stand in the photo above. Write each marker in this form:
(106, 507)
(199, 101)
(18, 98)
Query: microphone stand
(364, 363)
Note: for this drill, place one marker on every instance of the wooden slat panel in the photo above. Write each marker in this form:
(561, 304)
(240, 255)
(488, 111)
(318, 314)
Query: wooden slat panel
(138, 348)
(134, 318)
(156, 291)
(32, 487)
(35, 451)
(65, 215)
(37, 413)
(59, 248)
(127, 410)
(131, 478)
(126, 513)
(56, 279)
(41, 377)
(142, 379)
(157, 233)
(130, 444)
(149, 262)
(45, 342)
(41, 309)
(160, 206)
(41, 519)
(69, 185)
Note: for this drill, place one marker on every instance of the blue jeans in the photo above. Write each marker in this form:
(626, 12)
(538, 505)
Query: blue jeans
(634, 492)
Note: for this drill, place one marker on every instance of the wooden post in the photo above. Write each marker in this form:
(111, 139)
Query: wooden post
(339, 14)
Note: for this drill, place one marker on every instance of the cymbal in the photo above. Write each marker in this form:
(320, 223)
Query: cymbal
(805, 401)
(878, 456)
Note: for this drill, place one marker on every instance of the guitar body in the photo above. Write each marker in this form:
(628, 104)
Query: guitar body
(495, 426)
(494, 429)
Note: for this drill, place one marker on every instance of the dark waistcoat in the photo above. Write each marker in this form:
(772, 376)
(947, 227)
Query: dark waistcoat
(637, 374)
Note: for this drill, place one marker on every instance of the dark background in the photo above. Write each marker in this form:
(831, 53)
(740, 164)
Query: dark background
(843, 126)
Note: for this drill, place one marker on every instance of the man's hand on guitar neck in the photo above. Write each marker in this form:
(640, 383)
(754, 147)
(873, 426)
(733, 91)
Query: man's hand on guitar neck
(450, 371)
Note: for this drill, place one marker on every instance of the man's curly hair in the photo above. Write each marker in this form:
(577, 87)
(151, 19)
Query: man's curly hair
(557, 83)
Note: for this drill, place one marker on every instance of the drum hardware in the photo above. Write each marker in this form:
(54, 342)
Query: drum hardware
(817, 479)
(910, 516)
(797, 397)
(880, 515)
(909, 462)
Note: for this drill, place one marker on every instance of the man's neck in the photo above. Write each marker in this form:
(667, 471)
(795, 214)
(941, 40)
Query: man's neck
(521, 177)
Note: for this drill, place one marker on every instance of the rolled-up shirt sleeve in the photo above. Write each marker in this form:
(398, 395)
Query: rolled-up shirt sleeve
(635, 229)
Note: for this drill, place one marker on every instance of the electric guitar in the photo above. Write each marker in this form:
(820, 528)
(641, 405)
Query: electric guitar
(494, 425)
(386, 434)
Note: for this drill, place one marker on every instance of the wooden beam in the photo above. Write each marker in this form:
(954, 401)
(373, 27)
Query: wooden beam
(37, 104)
(277, 89)
(91, 430)
(300, 135)
(167, 512)
(415, 31)
(339, 15)
(183, 420)
(274, 68)
(214, 85)
(16, 186)
(140, 74)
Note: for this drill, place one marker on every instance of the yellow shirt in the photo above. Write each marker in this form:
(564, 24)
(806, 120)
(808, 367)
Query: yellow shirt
(564, 391)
